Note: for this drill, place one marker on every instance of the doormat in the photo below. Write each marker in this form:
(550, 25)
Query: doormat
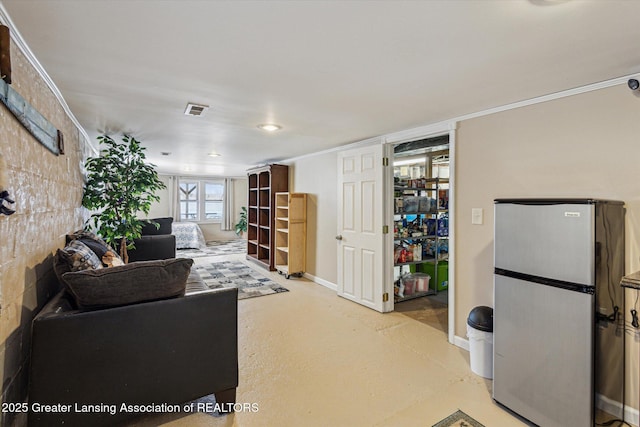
(233, 274)
(458, 419)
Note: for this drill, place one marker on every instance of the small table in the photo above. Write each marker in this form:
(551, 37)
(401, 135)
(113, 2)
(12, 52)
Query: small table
(188, 235)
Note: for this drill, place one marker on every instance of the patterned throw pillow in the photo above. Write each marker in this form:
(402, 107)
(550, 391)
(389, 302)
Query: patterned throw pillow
(88, 235)
(79, 256)
(95, 243)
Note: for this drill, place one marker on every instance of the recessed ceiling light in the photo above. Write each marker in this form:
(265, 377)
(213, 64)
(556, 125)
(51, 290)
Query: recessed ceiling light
(269, 127)
(213, 155)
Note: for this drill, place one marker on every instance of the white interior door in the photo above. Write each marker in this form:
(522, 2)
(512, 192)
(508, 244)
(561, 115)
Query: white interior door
(360, 238)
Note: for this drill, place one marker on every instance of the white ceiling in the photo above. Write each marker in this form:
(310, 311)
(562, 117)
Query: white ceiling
(329, 72)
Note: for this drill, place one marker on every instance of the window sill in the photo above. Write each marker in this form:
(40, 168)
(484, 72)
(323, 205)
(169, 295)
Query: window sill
(206, 222)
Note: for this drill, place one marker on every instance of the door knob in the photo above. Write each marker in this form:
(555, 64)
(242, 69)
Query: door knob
(338, 237)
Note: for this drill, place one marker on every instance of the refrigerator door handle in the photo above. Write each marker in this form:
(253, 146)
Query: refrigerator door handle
(570, 286)
(547, 202)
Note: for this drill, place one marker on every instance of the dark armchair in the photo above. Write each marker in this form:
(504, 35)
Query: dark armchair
(155, 243)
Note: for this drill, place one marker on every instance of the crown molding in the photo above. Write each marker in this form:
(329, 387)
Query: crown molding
(428, 131)
(357, 144)
(445, 126)
(551, 97)
(16, 37)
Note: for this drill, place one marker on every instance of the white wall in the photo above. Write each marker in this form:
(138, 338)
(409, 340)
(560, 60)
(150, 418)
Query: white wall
(317, 176)
(163, 208)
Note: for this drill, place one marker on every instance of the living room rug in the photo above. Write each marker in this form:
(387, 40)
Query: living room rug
(228, 274)
(458, 419)
(215, 248)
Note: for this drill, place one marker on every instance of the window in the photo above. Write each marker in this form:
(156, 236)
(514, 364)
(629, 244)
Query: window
(201, 200)
(213, 200)
(189, 200)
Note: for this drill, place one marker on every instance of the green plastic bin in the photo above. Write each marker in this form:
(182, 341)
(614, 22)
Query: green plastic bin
(443, 273)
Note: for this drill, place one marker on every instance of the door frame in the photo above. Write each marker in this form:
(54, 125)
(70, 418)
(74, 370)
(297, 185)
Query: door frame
(441, 129)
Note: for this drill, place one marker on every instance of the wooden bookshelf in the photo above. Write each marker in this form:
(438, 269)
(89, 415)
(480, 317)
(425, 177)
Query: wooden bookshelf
(291, 232)
(264, 183)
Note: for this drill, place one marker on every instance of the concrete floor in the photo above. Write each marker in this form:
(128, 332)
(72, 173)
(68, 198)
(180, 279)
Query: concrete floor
(310, 358)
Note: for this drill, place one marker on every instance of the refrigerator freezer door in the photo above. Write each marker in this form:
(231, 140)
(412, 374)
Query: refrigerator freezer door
(543, 352)
(553, 241)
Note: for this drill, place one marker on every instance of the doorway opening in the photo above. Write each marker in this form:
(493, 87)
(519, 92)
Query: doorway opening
(421, 188)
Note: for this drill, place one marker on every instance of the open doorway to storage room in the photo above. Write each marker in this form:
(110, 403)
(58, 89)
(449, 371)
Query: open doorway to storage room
(421, 190)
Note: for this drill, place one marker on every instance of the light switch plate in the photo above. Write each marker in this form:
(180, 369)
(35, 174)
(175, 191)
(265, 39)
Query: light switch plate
(476, 216)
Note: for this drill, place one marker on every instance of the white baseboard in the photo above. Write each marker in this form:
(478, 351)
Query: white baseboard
(322, 282)
(609, 406)
(613, 407)
(632, 416)
(461, 342)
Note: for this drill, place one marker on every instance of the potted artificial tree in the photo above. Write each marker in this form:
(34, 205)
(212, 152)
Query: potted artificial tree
(241, 226)
(119, 186)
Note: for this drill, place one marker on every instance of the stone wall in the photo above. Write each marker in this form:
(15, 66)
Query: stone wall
(48, 192)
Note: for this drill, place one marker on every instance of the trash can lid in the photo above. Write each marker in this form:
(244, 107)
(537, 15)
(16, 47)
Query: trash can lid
(481, 318)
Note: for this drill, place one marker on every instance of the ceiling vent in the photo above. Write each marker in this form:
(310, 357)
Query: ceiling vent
(195, 110)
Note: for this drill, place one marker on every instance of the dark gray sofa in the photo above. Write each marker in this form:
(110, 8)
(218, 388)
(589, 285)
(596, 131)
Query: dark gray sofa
(169, 351)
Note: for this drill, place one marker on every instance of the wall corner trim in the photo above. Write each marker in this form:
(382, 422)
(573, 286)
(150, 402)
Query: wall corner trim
(16, 37)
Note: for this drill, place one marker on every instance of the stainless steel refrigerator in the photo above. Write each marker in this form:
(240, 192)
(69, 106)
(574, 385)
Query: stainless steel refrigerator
(558, 309)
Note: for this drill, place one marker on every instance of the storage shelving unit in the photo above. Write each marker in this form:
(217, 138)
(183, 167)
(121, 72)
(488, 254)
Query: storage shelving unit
(264, 183)
(291, 231)
(423, 239)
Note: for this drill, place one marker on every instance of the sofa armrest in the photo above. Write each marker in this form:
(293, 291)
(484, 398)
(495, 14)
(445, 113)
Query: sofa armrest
(148, 248)
(169, 351)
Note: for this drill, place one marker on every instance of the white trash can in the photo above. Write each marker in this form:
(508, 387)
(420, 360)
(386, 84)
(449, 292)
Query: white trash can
(480, 333)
